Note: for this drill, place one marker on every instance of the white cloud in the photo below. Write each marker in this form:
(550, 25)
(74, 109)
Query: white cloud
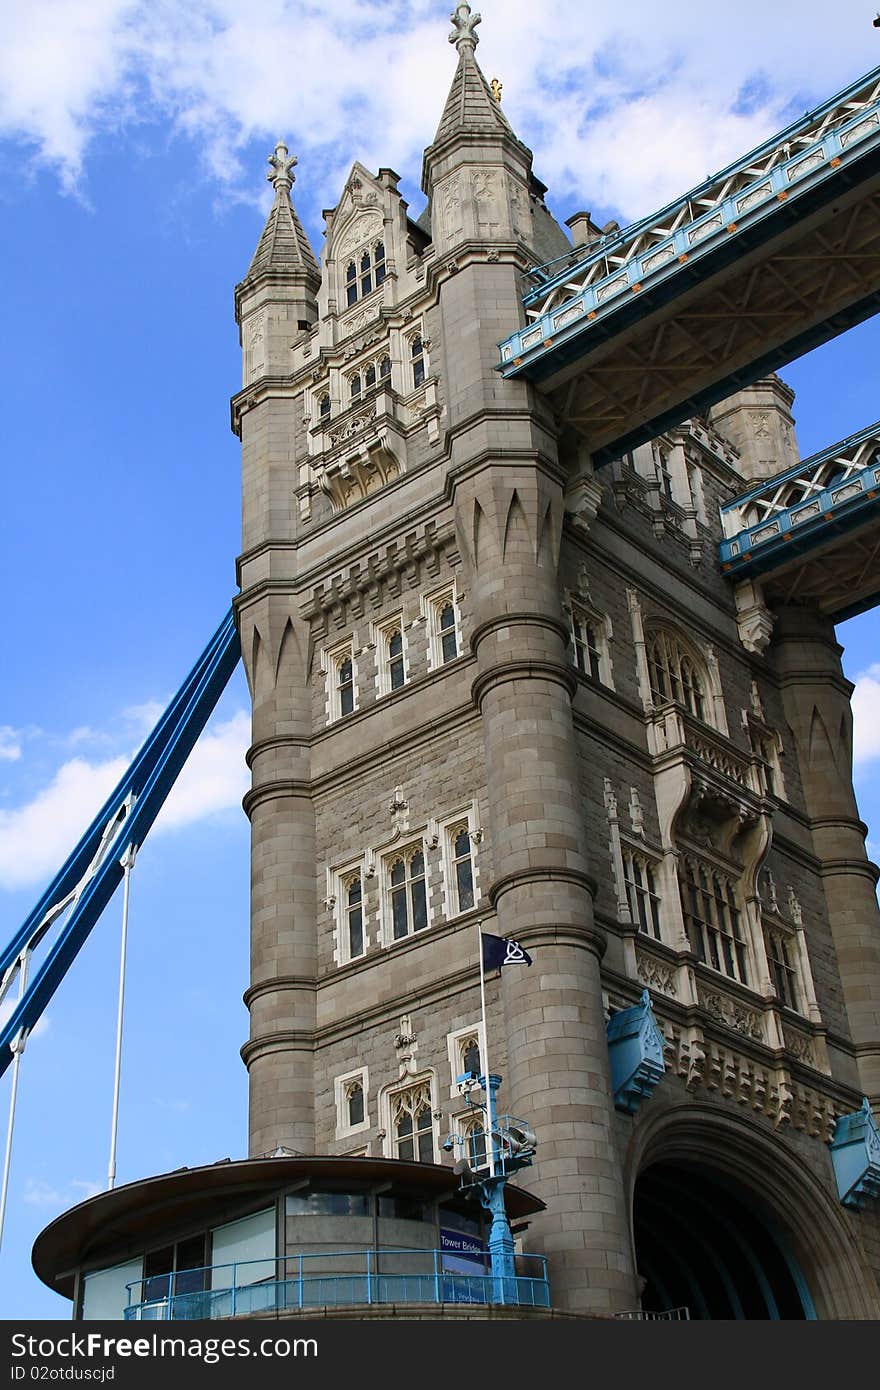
(215, 777)
(866, 715)
(39, 1193)
(7, 1008)
(625, 106)
(10, 744)
(37, 836)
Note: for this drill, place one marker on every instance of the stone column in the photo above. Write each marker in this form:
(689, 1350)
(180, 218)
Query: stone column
(282, 994)
(816, 699)
(509, 519)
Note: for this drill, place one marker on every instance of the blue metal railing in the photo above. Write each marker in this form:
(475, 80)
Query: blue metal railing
(671, 242)
(801, 507)
(330, 1280)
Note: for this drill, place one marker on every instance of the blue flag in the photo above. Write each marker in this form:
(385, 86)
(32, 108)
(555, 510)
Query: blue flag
(501, 950)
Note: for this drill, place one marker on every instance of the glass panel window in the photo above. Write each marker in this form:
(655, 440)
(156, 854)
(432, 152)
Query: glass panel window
(396, 668)
(781, 958)
(409, 903)
(413, 1124)
(417, 353)
(448, 638)
(379, 261)
(370, 375)
(674, 675)
(351, 289)
(712, 918)
(345, 685)
(324, 407)
(355, 1101)
(587, 651)
(470, 1056)
(641, 893)
(474, 1136)
(385, 367)
(355, 384)
(354, 914)
(366, 274)
(462, 863)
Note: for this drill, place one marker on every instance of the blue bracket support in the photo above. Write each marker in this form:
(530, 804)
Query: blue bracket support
(86, 882)
(855, 1154)
(635, 1050)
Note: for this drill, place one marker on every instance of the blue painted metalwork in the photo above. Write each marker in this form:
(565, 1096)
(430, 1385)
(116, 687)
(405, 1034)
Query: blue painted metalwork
(802, 508)
(369, 1277)
(616, 282)
(124, 820)
(855, 1154)
(635, 1051)
(512, 1147)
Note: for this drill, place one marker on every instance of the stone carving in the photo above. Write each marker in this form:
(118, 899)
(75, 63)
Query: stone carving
(486, 196)
(464, 26)
(655, 975)
(450, 201)
(363, 228)
(800, 1045)
(399, 809)
(281, 165)
(731, 1013)
(636, 813)
(406, 1047)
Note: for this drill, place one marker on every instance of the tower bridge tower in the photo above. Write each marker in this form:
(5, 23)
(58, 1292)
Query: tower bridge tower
(494, 687)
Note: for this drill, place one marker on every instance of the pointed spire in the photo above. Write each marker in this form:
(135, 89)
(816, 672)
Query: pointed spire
(284, 246)
(472, 108)
(464, 27)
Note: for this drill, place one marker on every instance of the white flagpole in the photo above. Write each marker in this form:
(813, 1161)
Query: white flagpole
(127, 862)
(490, 1107)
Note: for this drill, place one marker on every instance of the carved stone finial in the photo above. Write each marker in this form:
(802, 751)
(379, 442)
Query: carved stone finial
(464, 26)
(281, 163)
(497, 88)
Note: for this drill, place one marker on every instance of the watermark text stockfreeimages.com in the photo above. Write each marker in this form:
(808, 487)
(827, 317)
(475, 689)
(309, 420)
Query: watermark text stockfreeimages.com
(100, 1347)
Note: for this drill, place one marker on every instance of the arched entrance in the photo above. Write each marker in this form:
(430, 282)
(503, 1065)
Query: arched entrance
(704, 1243)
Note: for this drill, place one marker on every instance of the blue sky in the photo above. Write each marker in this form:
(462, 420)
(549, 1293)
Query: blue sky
(132, 148)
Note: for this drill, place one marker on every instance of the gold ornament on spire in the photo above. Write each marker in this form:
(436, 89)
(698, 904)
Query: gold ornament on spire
(464, 25)
(280, 173)
(497, 88)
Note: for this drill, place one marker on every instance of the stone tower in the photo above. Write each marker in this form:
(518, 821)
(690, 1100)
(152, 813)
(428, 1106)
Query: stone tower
(494, 688)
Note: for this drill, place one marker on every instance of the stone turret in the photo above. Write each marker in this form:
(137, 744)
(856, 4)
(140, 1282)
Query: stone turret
(759, 423)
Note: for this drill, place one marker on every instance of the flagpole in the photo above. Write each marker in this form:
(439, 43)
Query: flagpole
(490, 1107)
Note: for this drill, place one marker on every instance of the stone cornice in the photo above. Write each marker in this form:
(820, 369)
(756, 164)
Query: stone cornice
(502, 672)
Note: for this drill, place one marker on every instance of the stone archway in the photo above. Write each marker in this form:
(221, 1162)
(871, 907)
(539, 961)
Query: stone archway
(733, 1218)
(701, 1243)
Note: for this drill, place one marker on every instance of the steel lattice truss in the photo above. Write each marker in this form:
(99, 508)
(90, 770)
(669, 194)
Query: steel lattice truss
(778, 253)
(811, 532)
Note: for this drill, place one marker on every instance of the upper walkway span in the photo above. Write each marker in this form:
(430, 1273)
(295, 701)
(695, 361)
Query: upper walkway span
(810, 534)
(773, 256)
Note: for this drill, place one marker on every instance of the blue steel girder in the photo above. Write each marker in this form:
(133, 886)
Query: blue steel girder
(812, 533)
(86, 882)
(774, 255)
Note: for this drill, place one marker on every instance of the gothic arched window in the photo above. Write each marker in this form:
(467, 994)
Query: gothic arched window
(324, 407)
(413, 1124)
(712, 917)
(407, 892)
(354, 915)
(417, 354)
(675, 674)
(385, 367)
(354, 1096)
(351, 287)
